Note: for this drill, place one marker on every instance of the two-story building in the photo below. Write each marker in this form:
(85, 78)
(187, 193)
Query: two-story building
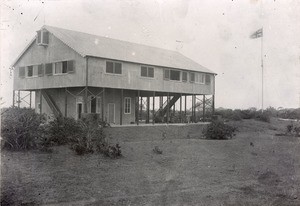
(74, 73)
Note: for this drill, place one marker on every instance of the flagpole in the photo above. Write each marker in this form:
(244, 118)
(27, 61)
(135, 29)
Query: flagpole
(262, 70)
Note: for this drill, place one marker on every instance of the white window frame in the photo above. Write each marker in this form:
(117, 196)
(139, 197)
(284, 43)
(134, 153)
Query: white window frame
(126, 104)
(26, 71)
(147, 67)
(114, 62)
(197, 78)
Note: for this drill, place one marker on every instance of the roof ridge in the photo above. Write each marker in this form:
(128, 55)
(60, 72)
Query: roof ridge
(140, 44)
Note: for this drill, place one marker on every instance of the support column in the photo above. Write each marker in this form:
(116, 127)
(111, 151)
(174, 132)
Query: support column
(138, 107)
(141, 108)
(153, 109)
(86, 85)
(13, 98)
(102, 104)
(19, 99)
(213, 104)
(204, 108)
(121, 107)
(41, 101)
(148, 109)
(66, 102)
(180, 108)
(168, 108)
(185, 105)
(30, 93)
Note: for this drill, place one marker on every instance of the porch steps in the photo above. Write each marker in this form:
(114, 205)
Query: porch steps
(163, 110)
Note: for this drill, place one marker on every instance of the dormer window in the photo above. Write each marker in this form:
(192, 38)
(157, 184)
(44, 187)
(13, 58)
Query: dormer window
(42, 37)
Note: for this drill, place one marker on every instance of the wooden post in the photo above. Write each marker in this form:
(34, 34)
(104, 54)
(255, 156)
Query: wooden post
(66, 102)
(19, 100)
(204, 107)
(103, 103)
(168, 108)
(161, 101)
(121, 107)
(153, 109)
(41, 101)
(30, 99)
(213, 104)
(138, 107)
(185, 105)
(148, 110)
(86, 86)
(141, 108)
(180, 108)
(13, 98)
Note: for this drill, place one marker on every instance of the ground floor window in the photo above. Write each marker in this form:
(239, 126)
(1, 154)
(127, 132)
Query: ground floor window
(127, 105)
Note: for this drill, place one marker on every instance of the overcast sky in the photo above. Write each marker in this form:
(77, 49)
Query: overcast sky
(213, 33)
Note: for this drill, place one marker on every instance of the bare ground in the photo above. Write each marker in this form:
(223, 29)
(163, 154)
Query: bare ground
(254, 168)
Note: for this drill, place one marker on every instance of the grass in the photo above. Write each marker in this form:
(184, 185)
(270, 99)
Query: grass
(190, 171)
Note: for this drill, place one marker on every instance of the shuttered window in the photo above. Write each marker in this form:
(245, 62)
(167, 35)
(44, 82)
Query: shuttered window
(113, 67)
(64, 67)
(48, 69)
(40, 70)
(29, 71)
(42, 37)
(21, 72)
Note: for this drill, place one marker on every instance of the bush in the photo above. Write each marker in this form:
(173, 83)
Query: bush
(264, 116)
(219, 130)
(61, 129)
(21, 128)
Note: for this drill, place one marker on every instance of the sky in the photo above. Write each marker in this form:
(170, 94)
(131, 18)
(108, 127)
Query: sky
(214, 33)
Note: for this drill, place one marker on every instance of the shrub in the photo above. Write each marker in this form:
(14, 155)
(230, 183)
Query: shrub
(61, 129)
(264, 116)
(21, 128)
(219, 130)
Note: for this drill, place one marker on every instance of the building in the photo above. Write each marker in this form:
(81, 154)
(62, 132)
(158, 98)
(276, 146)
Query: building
(73, 73)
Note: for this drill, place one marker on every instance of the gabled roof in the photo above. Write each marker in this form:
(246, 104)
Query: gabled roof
(103, 47)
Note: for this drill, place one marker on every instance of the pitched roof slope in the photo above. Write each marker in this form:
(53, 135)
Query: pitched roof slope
(98, 46)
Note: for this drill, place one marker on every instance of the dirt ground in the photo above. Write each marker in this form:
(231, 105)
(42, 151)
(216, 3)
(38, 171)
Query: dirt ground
(256, 167)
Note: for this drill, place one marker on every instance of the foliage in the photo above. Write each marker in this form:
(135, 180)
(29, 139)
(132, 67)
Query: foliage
(21, 128)
(219, 130)
(293, 129)
(264, 116)
(61, 129)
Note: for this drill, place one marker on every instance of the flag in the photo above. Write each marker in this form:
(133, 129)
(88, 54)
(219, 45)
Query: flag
(257, 34)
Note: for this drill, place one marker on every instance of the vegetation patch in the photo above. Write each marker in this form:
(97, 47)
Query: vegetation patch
(219, 130)
(21, 129)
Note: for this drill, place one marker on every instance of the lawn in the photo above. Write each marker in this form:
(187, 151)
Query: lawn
(256, 167)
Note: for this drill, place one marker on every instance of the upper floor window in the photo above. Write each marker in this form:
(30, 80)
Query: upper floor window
(42, 37)
(47, 69)
(127, 105)
(207, 79)
(184, 76)
(171, 74)
(113, 67)
(147, 71)
(192, 77)
(199, 78)
(29, 71)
